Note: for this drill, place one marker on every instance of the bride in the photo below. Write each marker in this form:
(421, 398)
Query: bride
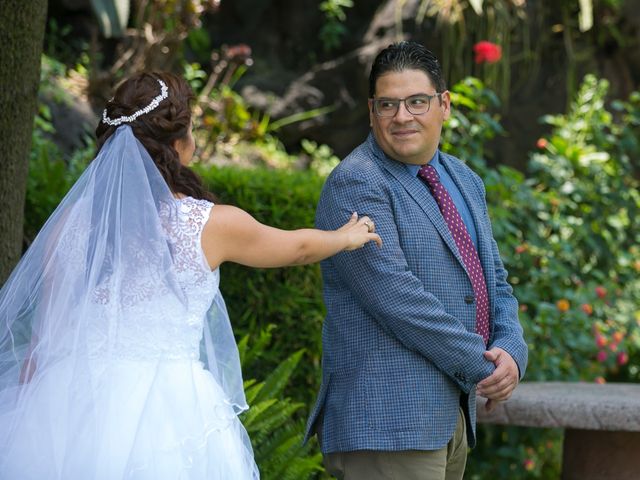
(117, 359)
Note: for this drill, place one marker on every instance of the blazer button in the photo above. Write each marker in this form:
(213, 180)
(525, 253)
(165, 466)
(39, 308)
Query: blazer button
(469, 299)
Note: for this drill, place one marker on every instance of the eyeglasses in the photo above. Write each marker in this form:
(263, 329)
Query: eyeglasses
(415, 104)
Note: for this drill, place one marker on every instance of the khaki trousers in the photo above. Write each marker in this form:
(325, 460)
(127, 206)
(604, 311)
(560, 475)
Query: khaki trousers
(448, 463)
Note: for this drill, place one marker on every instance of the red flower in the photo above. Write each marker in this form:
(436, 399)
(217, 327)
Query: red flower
(601, 291)
(541, 143)
(600, 380)
(622, 358)
(602, 356)
(487, 52)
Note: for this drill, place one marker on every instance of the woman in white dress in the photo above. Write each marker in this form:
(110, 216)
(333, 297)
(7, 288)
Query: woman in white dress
(117, 359)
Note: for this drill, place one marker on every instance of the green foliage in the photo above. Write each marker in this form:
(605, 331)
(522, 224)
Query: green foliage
(333, 29)
(199, 43)
(569, 236)
(589, 230)
(275, 434)
(463, 23)
(58, 37)
(227, 127)
(473, 122)
(322, 158)
(112, 16)
(288, 297)
(51, 173)
(50, 176)
(232, 119)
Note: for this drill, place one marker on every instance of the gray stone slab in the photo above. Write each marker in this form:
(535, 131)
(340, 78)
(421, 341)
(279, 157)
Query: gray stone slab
(589, 406)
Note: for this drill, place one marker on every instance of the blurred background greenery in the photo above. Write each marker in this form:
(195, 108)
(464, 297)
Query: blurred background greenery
(547, 113)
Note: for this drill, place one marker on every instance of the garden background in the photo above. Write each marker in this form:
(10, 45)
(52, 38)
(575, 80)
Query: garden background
(545, 109)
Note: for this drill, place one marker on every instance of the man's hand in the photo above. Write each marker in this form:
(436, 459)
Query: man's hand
(498, 386)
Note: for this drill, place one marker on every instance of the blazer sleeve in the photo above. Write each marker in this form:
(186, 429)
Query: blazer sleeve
(381, 281)
(507, 331)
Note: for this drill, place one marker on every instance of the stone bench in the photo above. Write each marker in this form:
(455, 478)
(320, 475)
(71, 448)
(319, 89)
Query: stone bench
(601, 422)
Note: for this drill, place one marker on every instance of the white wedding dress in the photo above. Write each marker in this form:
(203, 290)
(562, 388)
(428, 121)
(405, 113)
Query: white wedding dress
(140, 405)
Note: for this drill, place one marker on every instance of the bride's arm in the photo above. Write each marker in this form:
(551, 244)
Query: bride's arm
(29, 364)
(231, 234)
(27, 370)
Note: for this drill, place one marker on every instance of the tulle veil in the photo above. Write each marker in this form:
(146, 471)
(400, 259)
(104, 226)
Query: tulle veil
(102, 254)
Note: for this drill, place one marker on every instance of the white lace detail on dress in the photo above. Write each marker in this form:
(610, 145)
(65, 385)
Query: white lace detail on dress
(156, 324)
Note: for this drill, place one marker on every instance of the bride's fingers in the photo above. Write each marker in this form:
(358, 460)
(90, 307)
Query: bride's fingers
(367, 222)
(376, 238)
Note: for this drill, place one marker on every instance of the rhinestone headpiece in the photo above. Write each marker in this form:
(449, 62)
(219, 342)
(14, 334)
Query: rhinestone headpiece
(164, 93)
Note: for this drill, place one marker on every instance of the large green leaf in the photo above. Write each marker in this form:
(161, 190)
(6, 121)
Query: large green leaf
(112, 15)
(477, 6)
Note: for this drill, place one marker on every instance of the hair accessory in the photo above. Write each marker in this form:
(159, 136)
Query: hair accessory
(164, 93)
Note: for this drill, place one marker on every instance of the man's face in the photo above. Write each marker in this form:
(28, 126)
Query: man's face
(405, 137)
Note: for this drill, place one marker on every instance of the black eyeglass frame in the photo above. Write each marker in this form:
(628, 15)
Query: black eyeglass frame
(397, 101)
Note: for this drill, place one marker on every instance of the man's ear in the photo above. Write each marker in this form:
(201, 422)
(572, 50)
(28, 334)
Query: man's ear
(445, 103)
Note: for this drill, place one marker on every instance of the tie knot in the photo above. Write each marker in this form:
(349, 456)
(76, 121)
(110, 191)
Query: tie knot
(429, 174)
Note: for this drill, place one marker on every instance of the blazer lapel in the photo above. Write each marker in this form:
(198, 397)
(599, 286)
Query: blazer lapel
(422, 196)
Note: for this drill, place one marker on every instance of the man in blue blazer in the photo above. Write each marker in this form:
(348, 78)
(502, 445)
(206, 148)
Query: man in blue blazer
(415, 329)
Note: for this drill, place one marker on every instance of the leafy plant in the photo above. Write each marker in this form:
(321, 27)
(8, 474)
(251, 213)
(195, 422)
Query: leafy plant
(51, 173)
(322, 159)
(568, 237)
(333, 29)
(275, 431)
(288, 297)
(227, 127)
(473, 122)
(112, 16)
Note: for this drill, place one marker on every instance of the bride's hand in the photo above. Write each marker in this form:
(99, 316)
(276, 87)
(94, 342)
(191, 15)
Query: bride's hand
(360, 231)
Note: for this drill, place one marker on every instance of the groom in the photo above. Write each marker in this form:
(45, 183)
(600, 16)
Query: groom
(415, 329)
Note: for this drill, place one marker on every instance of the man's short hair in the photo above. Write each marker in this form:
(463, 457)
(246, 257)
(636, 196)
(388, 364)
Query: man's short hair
(401, 56)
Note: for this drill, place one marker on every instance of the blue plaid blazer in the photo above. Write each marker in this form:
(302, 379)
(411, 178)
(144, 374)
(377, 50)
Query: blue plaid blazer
(400, 352)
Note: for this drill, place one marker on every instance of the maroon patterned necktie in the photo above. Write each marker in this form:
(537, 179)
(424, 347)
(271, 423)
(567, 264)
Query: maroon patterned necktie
(465, 245)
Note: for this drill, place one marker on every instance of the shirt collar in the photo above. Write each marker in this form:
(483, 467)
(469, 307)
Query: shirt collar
(435, 161)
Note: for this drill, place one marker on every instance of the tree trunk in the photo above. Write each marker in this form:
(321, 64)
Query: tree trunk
(22, 25)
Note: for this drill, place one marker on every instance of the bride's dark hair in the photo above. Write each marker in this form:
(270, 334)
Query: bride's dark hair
(158, 129)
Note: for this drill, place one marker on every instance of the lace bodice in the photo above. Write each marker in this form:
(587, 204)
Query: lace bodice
(161, 320)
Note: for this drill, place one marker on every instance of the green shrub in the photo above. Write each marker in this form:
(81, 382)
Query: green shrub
(276, 438)
(333, 30)
(51, 174)
(568, 235)
(290, 298)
